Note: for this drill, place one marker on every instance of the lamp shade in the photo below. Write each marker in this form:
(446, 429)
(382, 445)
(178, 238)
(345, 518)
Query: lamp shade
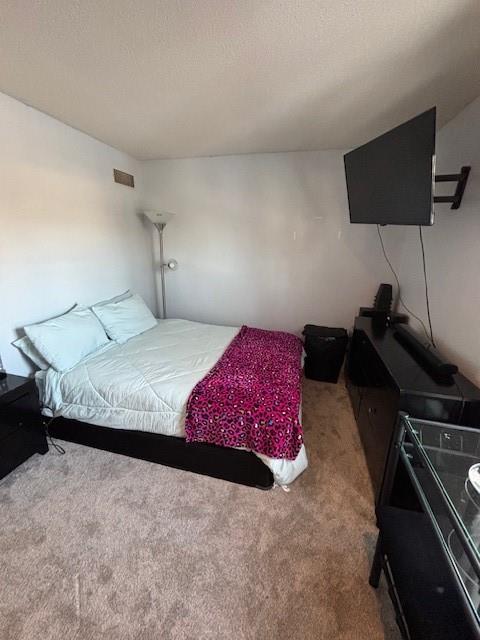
(158, 217)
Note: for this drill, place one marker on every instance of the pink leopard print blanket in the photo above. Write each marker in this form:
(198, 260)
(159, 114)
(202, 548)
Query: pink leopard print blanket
(251, 397)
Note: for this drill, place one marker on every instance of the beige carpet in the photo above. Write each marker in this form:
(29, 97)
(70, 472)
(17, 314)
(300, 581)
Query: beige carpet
(99, 546)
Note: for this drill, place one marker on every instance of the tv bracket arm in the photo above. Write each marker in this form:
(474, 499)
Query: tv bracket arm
(461, 180)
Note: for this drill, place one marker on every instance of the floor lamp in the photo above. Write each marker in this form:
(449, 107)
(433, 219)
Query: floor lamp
(160, 219)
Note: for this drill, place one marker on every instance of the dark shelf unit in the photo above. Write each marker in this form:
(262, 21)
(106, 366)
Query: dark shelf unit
(421, 584)
(430, 594)
(383, 378)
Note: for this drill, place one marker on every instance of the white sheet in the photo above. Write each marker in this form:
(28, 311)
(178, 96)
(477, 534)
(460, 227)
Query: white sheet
(144, 384)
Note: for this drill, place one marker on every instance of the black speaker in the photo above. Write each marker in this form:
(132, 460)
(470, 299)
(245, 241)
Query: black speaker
(426, 355)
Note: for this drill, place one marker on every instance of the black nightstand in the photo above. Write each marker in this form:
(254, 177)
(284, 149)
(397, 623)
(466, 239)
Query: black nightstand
(21, 429)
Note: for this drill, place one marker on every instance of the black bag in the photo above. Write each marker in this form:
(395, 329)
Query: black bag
(325, 348)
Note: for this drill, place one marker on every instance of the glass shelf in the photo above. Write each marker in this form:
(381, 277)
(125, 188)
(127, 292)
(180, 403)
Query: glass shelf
(443, 462)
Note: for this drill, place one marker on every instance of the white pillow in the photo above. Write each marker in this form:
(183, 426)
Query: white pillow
(115, 299)
(26, 346)
(65, 340)
(125, 319)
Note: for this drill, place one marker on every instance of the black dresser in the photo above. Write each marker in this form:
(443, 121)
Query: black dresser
(383, 379)
(21, 429)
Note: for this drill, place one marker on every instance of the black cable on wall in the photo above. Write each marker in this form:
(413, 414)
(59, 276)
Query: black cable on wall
(427, 300)
(429, 336)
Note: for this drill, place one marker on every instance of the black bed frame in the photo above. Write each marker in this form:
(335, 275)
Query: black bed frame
(242, 467)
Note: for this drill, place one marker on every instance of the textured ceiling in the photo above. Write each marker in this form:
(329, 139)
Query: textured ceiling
(173, 78)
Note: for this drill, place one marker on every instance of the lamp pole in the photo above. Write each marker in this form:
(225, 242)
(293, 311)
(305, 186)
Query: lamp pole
(159, 219)
(160, 228)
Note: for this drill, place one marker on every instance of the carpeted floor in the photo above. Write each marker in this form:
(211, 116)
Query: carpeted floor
(97, 546)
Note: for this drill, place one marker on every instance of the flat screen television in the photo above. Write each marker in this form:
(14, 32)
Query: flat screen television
(390, 179)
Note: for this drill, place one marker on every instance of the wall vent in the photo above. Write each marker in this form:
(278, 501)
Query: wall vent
(123, 178)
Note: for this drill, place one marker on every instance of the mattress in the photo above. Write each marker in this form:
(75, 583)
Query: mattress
(144, 384)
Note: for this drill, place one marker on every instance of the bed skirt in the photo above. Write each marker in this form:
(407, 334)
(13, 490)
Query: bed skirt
(241, 467)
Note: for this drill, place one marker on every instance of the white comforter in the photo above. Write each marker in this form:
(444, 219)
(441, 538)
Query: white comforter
(145, 383)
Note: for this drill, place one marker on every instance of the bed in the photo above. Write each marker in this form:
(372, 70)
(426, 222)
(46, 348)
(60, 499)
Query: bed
(132, 398)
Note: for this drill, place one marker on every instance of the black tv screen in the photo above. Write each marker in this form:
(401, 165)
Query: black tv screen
(390, 179)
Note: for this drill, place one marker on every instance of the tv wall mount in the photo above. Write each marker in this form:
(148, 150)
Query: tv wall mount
(461, 180)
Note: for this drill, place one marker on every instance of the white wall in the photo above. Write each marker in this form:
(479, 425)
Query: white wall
(68, 233)
(261, 239)
(264, 240)
(452, 249)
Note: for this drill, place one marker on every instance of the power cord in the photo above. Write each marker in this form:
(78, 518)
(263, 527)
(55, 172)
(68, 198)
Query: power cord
(400, 299)
(426, 285)
(58, 448)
